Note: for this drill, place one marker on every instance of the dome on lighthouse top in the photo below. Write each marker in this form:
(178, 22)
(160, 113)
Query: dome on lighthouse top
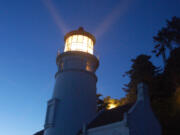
(79, 40)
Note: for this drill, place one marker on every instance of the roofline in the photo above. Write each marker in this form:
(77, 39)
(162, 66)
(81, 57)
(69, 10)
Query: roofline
(122, 122)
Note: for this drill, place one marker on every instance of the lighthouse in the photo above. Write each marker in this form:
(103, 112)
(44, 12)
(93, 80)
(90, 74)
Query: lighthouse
(73, 102)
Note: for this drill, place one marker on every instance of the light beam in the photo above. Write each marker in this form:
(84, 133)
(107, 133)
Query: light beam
(118, 11)
(57, 18)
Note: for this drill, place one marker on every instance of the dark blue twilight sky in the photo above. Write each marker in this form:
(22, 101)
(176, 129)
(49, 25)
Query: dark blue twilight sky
(32, 30)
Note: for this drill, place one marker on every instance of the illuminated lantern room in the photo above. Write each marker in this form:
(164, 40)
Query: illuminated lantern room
(79, 40)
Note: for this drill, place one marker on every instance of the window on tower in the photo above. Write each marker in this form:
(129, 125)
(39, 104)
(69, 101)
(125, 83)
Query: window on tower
(50, 114)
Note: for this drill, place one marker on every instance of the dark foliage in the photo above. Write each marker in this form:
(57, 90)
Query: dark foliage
(142, 70)
(172, 69)
(166, 104)
(167, 38)
(101, 105)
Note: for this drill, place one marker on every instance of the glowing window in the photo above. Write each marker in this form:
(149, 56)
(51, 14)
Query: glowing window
(79, 43)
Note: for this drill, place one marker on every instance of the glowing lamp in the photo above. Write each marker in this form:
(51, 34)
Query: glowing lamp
(79, 40)
(111, 106)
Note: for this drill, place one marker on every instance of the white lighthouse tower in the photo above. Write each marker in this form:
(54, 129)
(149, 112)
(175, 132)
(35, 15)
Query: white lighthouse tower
(74, 99)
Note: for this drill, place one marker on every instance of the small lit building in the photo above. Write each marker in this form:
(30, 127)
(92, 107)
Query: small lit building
(72, 108)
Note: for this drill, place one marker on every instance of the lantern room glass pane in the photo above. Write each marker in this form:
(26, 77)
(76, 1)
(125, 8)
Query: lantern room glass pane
(79, 43)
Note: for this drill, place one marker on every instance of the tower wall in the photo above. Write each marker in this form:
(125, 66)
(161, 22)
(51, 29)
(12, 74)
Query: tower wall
(74, 99)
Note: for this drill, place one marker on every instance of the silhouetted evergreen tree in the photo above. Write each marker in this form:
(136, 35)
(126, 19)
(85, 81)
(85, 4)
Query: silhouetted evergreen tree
(167, 38)
(166, 105)
(172, 69)
(166, 101)
(142, 70)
